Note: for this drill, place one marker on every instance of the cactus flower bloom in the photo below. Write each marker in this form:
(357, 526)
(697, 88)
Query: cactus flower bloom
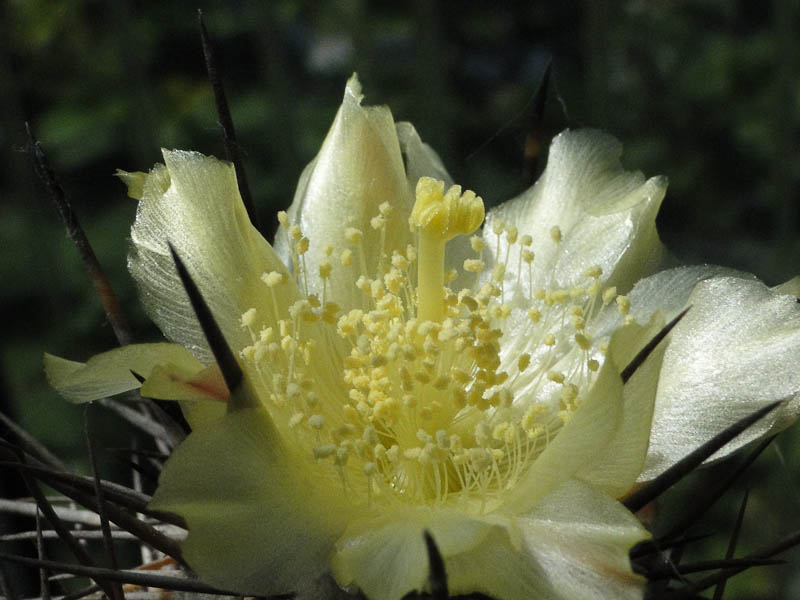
(407, 370)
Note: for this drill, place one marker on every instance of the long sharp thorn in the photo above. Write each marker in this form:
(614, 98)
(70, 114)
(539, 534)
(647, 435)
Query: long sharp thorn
(686, 465)
(101, 503)
(140, 578)
(699, 508)
(642, 355)
(44, 588)
(737, 527)
(710, 565)
(438, 575)
(63, 532)
(75, 232)
(232, 149)
(231, 371)
(533, 138)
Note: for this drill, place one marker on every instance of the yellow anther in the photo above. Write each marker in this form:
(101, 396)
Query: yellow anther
(295, 232)
(595, 272)
(549, 340)
(511, 234)
(399, 261)
(324, 451)
(301, 247)
(534, 315)
(555, 234)
(527, 256)
(249, 318)
(498, 226)
(327, 249)
(609, 294)
(385, 209)
(623, 304)
(377, 222)
(583, 341)
(296, 419)
(477, 242)
(526, 240)
(353, 235)
(592, 365)
(555, 376)
(523, 362)
(347, 258)
(474, 265)
(325, 269)
(283, 218)
(273, 278)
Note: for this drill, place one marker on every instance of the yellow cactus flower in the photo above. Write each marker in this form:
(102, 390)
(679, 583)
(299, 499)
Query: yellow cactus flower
(406, 370)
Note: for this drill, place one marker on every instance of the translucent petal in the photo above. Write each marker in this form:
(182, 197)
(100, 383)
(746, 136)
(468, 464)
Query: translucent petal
(669, 290)
(573, 544)
(261, 519)
(734, 351)
(588, 431)
(358, 167)
(385, 556)
(615, 468)
(193, 202)
(109, 373)
(606, 215)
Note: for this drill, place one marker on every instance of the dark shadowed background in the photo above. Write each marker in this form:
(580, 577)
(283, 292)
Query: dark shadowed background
(704, 91)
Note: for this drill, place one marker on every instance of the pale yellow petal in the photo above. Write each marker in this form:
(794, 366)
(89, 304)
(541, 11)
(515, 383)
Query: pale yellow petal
(573, 545)
(615, 468)
(735, 351)
(261, 519)
(358, 168)
(606, 215)
(194, 203)
(585, 435)
(109, 373)
(385, 556)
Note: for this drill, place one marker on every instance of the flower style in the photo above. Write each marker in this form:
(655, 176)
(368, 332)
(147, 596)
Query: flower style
(402, 376)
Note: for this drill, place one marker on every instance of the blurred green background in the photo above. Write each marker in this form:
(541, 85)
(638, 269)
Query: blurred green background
(704, 91)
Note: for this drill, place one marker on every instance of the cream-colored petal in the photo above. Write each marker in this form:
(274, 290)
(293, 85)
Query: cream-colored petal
(194, 203)
(573, 545)
(615, 469)
(357, 169)
(735, 351)
(385, 556)
(109, 373)
(669, 290)
(606, 216)
(261, 519)
(585, 435)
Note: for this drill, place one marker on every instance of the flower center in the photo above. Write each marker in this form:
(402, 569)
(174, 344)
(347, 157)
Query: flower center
(423, 394)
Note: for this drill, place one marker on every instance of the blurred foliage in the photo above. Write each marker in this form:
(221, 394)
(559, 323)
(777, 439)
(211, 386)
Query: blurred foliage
(704, 91)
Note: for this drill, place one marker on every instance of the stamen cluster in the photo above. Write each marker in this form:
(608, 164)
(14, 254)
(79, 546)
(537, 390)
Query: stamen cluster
(422, 404)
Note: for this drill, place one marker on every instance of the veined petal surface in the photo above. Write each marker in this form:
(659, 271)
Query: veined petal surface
(259, 522)
(109, 373)
(193, 202)
(734, 352)
(358, 168)
(572, 546)
(606, 216)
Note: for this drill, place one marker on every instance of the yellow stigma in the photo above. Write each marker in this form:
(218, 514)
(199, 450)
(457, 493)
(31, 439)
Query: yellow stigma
(438, 217)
